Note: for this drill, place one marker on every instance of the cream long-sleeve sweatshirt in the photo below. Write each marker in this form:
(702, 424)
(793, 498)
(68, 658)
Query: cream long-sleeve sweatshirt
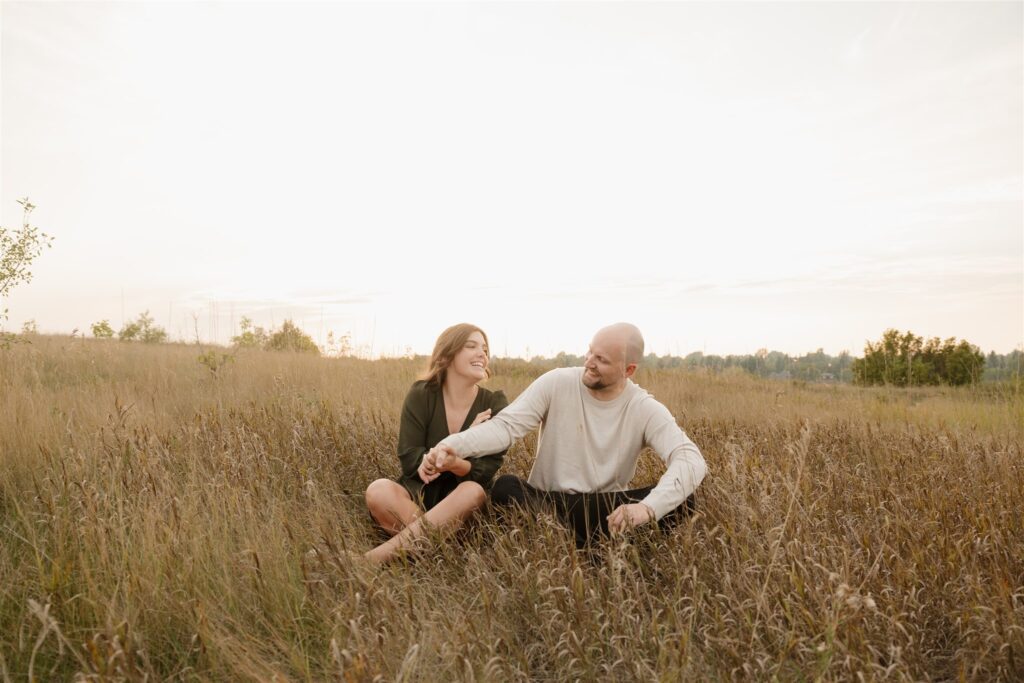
(589, 445)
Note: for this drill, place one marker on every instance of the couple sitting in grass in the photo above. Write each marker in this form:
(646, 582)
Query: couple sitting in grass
(594, 423)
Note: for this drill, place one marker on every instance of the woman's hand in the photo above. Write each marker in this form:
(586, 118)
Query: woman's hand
(481, 417)
(427, 470)
(442, 459)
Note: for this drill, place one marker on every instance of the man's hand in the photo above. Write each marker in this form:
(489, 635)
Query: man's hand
(445, 458)
(625, 517)
(440, 459)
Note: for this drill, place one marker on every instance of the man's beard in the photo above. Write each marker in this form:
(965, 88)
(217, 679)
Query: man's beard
(596, 385)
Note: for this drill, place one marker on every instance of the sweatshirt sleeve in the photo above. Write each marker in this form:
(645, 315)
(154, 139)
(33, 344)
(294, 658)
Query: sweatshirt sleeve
(482, 469)
(412, 431)
(520, 418)
(685, 466)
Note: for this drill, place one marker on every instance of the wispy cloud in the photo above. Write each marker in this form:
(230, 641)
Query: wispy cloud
(1007, 189)
(935, 275)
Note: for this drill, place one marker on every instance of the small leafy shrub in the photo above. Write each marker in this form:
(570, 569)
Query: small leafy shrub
(102, 330)
(215, 361)
(142, 329)
(250, 337)
(18, 250)
(291, 338)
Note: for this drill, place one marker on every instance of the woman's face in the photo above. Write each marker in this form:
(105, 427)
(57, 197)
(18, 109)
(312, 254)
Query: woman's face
(471, 360)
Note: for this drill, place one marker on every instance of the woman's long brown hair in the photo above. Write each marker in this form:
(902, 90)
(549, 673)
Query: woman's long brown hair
(449, 343)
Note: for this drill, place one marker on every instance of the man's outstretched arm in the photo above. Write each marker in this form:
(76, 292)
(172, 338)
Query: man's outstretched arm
(520, 418)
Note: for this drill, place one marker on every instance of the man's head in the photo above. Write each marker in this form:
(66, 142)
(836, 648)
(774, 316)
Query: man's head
(614, 354)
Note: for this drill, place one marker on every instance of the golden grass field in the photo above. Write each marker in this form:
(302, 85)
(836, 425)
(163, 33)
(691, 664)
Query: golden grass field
(155, 518)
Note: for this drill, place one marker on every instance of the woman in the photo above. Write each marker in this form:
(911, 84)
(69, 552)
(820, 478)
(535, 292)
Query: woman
(447, 399)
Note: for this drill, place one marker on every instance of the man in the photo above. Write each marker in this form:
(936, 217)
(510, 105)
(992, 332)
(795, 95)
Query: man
(594, 423)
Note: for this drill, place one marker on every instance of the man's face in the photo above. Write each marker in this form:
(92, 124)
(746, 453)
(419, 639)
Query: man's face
(605, 364)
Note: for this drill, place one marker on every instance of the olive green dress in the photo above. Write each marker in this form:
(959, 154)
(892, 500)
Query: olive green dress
(424, 423)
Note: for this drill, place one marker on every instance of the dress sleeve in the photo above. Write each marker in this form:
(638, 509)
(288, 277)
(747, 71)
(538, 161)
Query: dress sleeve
(412, 431)
(482, 469)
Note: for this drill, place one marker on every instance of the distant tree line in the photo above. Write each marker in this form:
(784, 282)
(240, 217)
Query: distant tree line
(811, 367)
(289, 337)
(932, 362)
(1004, 367)
(897, 359)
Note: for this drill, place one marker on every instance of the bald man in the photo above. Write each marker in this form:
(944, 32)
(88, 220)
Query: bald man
(594, 423)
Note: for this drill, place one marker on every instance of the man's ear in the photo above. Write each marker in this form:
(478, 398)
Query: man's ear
(630, 369)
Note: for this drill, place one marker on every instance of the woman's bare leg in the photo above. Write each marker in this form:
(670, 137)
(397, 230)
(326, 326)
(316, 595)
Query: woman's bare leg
(467, 498)
(391, 505)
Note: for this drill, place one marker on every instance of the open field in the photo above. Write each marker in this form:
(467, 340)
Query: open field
(154, 520)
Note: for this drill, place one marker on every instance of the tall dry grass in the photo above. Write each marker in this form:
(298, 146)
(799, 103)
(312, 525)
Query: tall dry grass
(154, 523)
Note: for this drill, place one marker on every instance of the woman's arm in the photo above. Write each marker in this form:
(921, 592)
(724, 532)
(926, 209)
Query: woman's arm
(412, 430)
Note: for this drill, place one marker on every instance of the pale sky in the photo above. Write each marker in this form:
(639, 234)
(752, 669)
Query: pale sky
(727, 176)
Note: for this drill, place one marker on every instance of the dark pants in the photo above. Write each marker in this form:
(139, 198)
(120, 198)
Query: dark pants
(585, 513)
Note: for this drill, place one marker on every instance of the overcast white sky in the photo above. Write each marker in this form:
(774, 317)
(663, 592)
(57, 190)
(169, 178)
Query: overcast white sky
(728, 176)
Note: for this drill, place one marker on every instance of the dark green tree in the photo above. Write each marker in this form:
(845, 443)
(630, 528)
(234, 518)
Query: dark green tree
(965, 364)
(907, 360)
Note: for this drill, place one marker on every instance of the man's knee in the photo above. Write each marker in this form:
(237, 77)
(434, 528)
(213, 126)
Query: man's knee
(508, 489)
